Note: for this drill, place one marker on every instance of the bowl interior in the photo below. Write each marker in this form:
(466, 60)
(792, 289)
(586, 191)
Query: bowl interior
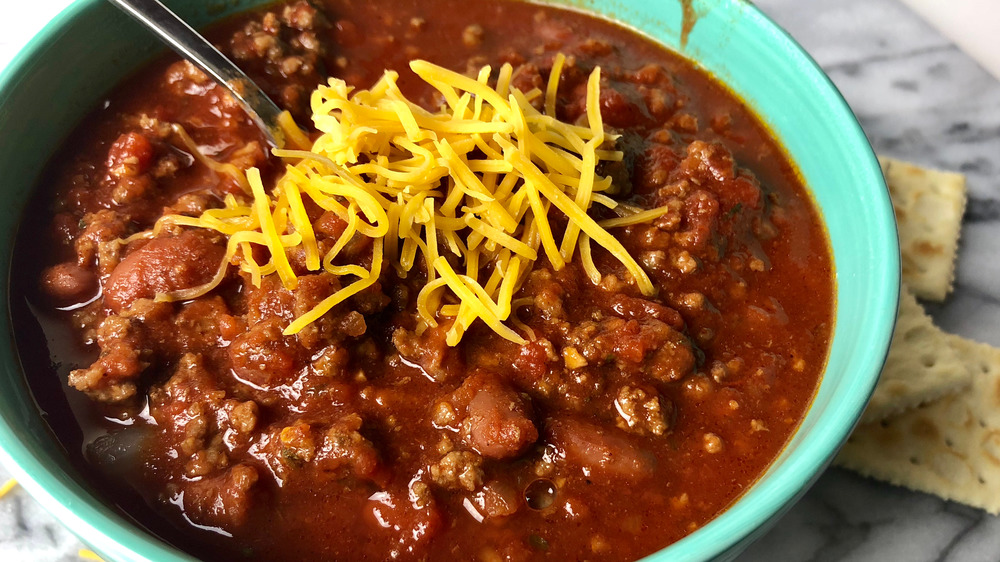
(90, 47)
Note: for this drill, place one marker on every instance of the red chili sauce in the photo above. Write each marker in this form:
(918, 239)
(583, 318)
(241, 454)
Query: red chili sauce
(358, 438)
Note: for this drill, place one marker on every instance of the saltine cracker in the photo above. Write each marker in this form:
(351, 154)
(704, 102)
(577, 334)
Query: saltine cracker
(929, 205)
(922, 365)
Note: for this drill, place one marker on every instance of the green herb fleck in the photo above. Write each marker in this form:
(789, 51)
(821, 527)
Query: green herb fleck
(291, 457)
(734, 211)
(538, 542)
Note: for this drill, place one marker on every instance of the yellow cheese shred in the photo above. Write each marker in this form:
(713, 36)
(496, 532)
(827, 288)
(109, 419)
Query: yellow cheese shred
(262, 209)
(553, 85)
(215, 166)
(7, 486)
(468, 188)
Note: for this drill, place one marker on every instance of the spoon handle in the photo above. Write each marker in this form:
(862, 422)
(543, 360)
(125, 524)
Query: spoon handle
(191, 45)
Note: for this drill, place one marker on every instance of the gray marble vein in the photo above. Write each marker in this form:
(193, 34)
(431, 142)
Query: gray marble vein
(919, 98)
(28, 532)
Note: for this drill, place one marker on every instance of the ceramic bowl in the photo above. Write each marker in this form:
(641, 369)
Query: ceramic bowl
(89, 47)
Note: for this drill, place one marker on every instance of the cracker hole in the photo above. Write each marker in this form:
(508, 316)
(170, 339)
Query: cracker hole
(929, 361)
(949, 443)
(914, 461)
(982, 480)
(982, 423)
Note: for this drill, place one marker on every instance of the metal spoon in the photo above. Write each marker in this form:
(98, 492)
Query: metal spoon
(191, 45)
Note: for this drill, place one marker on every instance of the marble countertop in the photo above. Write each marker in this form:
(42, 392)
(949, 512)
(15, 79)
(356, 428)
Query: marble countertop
(919, 98)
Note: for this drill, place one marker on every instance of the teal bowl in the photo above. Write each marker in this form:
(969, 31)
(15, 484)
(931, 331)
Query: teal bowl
(89, 47)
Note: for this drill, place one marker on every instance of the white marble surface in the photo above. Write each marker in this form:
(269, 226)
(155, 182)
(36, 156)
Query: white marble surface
(919, 98)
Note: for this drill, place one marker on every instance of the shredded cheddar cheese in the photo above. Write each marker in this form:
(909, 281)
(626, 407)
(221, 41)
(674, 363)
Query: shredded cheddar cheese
(7, 486)
(462, 194)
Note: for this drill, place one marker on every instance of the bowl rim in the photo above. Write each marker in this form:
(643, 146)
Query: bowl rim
(112, 534)
(787, 483)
